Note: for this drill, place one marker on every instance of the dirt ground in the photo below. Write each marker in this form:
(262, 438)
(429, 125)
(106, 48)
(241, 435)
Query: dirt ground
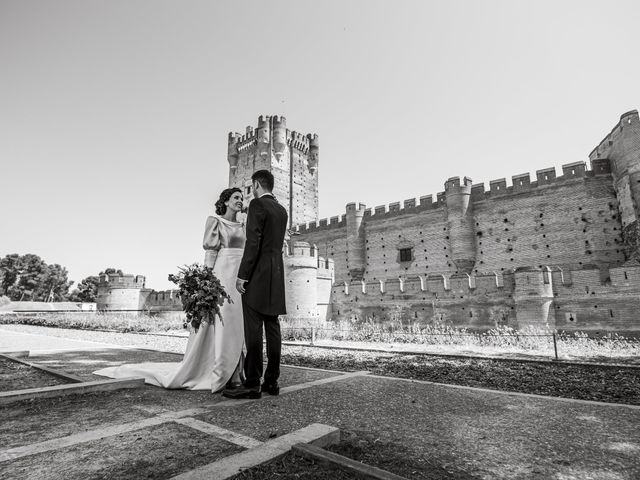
(160, 451)
(414, 429)
(17, 376)
(294, 467)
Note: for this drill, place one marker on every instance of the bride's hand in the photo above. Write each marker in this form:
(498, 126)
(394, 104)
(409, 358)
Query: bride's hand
(240, 285)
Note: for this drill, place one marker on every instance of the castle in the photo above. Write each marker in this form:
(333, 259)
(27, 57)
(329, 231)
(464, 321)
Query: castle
(557, 250)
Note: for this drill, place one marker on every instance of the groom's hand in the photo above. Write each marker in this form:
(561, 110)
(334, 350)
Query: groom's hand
(240, 285)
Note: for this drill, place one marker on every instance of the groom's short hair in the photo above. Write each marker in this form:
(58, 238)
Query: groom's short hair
(264, 178)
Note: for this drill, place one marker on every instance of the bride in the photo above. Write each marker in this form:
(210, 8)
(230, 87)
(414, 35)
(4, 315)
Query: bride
(213, 358)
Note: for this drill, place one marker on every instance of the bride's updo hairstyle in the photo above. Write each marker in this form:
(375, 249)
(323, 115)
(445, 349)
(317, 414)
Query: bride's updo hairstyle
(221, 208)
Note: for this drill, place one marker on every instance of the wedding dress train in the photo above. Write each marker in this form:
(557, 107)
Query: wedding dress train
(213, 354)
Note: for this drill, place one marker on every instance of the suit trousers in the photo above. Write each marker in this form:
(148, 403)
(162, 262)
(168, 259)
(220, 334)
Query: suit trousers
(253, 364)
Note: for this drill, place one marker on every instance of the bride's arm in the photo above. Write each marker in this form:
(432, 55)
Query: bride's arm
(211, 241)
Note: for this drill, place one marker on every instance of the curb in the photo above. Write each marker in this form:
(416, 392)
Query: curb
(227, 467)
(52, 371)
(63, 390)
(362, 470)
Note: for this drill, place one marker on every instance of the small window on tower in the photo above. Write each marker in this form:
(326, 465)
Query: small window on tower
(406, 254)
(248, 190)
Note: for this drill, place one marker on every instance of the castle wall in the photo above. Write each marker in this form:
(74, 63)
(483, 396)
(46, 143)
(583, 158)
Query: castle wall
(424, 231)
(585, 302)
(570, 223)
(166, 300)
(420, 301)
(589, 300)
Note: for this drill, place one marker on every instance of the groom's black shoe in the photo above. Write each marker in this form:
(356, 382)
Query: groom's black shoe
(271, 388)
(242, 392)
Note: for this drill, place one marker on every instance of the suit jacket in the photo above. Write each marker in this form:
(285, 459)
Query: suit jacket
(262, 264)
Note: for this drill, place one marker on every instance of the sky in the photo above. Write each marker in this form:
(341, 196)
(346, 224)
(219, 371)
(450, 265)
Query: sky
(114, 115)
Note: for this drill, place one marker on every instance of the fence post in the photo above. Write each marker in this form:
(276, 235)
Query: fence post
(555, 346)
(313, 335)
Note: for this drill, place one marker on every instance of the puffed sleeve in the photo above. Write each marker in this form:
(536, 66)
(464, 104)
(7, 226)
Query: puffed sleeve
(211, 240)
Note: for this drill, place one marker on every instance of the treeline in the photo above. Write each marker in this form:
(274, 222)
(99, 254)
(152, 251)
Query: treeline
(29, 278)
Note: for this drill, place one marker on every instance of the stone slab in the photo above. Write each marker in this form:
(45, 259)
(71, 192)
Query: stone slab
(73, 389)
(227, 467)
(52, 371)
(224, 434)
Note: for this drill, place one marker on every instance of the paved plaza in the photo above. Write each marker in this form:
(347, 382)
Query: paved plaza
(442, 431)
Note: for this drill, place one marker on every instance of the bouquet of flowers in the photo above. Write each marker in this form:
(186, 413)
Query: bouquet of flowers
(201, 294)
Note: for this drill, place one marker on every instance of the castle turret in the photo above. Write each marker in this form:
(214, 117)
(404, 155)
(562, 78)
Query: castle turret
(622, 148)
(279, 136)
(121, 292)
(301, 266)
(460, 225)
(356, 261)
(533, 296)
(314, 152)
(263, 137)
(232, 151)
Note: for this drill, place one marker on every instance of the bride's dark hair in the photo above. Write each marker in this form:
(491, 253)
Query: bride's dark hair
(221, 208)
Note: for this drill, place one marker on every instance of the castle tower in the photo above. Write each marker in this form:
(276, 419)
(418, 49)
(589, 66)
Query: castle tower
(533, 297)
(622, 148)
(301, 267)
(121, 292)
(290, 156)
(460, 224)
(357, 260)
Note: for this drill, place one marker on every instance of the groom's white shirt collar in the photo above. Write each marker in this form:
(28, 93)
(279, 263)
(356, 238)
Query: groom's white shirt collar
(265, 194)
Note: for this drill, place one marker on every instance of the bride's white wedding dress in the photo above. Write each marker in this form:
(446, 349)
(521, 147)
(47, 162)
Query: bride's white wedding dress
(213, 354)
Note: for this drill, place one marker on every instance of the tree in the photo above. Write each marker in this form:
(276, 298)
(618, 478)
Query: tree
(111, 271)
(87, 290)
(28, 277)
(54, 284)
(8, 272)
(27, 272)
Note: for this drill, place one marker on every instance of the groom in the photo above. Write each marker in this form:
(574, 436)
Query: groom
(261, 283)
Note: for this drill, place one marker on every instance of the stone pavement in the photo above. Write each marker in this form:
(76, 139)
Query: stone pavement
(441, 431)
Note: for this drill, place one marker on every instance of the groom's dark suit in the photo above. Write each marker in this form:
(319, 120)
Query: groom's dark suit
(263, 268)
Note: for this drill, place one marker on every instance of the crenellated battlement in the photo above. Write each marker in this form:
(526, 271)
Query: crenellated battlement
(298, 141)
(322, 224)
(543, 178)
(114, 280)
(163, 297)
(585, 282)
(497, 188)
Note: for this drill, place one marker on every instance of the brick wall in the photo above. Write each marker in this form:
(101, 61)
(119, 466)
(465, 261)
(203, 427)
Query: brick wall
(569, 223)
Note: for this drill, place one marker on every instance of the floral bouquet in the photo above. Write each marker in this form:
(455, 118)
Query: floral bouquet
(201, 294)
